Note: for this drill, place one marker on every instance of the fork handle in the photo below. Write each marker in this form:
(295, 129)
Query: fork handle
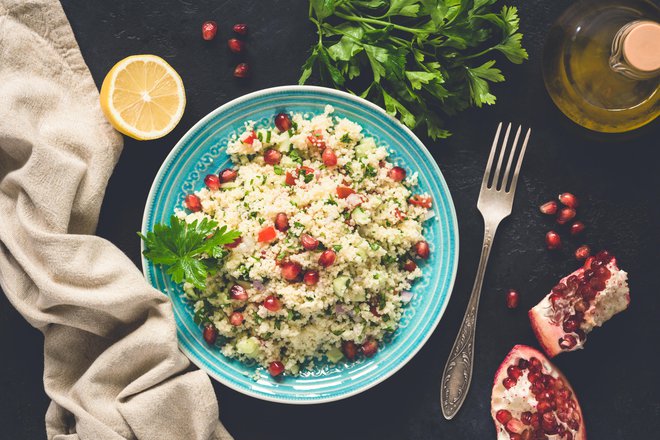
(457, 375)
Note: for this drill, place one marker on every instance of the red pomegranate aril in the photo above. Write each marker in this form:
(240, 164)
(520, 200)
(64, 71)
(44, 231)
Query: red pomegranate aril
(228, 175)
(543, 407)
(327, 258)
(514, 426)
(523, 364)
(238, 292)
(512, 299)
(567, 342)
(597, 284)
(272, 303)
(272, 157)
(526, 418)
(275, 368)
(571, 324)
(281, 222)
(212, 182)
(577, 227)
(209, 30)
(369, 347)
(193, 203)
(240, 28)
(234, 243)
(548, 423)
(582, 252)
(235, 45)
(580, 305)
(513, 372)
(602, 273)
(409, 265)
(508, 382)
(210, 334)
(535, 364)
(527, 435)
(349, 349)
(565, 215)
(586, 292)
(552, 240)
(236, 319)
(514, 436)
(422, 249)
(242, 70)
(397, 174)
(329, 157)
(549, 208)
(311, 278)
(604, 256)
(308, 242)
(290, 270)
(503, 416)
(283, 122)
(568, 199)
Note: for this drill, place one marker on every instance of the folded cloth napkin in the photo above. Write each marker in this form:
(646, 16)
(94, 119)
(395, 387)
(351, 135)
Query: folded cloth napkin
(111, 363)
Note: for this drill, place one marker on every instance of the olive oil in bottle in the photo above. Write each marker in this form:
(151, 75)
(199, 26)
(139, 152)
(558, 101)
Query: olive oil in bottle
(601, 64)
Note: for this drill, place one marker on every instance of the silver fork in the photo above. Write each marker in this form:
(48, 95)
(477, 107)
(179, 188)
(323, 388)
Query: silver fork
(495, 203)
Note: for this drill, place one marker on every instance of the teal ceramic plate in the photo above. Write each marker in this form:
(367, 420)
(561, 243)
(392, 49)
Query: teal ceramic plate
(202, 151)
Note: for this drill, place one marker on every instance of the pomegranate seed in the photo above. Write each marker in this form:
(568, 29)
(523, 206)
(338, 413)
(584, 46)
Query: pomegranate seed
(272, 157)
(272, 303)
(568, 199)
(209, 29)
(329, 157)
(543, 407)
(210, 334)
(235, 45)
(508, 382)
(604, 257)
(503, 416)
(369, 347)
(582, 252)
(523, 364)
(281, 222)
(275, 368)
(234, 243)
(242, 70)
(228, 175)
(577, 227)
(512, 298)
(580, 305)
(514, 436)
(570, 324)
(212, 182)
(238, 292)
(311, 278)
(397, 174)
(193, 203)
(308, 242)
(422, 249)
(236, 319)
(283, 122)
(409, 265)
(567, 342)
(514, 426)
(514, 372)
(565, 215)
(552, 240)
(290, 270)
(327, 258)
(597, 284)
(240, 28)
(526, 418)
(349, 349)
(535, 365)
(549, 208)
(602, 273)
(548, 423)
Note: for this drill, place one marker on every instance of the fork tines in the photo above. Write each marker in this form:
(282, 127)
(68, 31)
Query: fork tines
(495, 181)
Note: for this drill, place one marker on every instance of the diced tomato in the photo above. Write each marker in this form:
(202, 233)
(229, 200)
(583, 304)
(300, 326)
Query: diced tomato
(267, 235)
(289, 179)
(423, 201)
(399, 215)
(307, 170)
(344, 191)
(316, 139)
(250, 138)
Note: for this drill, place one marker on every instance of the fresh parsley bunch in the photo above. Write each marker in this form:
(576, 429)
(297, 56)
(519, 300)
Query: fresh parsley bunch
(190, 250)
(417, 58)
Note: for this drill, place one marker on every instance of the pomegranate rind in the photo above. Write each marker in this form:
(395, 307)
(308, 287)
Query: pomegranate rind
(548, 333)
(527, 352)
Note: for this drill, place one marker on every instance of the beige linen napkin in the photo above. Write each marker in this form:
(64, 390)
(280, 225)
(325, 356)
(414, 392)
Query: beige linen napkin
(111, 363)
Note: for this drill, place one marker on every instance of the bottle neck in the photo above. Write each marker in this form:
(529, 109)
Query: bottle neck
(636, 50)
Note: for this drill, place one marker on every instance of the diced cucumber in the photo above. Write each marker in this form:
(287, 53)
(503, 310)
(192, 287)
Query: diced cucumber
(248, 347)
(360, 217)
(334, 355)
(363, 149)
(355, 295)
(340, 285)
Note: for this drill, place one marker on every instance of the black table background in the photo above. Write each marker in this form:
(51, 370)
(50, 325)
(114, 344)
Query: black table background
(616, 178)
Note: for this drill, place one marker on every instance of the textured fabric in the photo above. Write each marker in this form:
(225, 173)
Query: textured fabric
(111, 363)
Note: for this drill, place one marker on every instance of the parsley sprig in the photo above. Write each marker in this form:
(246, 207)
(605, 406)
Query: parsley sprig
(190, 250)
(416, 58)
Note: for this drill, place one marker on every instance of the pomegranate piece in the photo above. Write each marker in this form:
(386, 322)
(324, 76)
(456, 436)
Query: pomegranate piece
(409, 265)
(242, 70)
(397, 174)
(238, 292)
(272, 157)
(228, 175)
(512, 299)
(290, 270)
(212, 182)
(236, 319)
(582, 252)
(552, 240)
(240, 28)
(422, 249)
(344, 191)
(235, 45)
(369, 347)
(585, 299)
(266, 235)
(577, 227)
(565, 215)
(329, 157)
(193, 203)
(568, 199)
(546, 407)
(311, 278)
(209, 30)
(210, 334)
(283, 122)
(272, 303)
(549, 208)
(275, 368)
(234, 243)
(327, 258)
(308, 242)
(423, 201)
(349, 349)
(281, 222)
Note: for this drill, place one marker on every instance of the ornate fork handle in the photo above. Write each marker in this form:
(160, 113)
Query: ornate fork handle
(457, 375)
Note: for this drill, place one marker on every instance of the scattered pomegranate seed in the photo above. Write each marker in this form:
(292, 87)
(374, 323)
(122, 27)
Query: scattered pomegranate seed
(369, 347)
(327, 258)
(283, 122)
(240, 28)
(290, 270)
(422, 249)
(344, 191)
(234, 243)
(565, 215)
(409, 265)
(266, 235)
(514, 372)
(209, 29)
(212, 182)
(311, 278)
(397, 174)
(508, 383)
(512, 299)
(349, 349)
(423, 201)
(235, 45)
(577, 227)
(242, 70)
(193, 203)
(228, 175)
(308, 242)
(549, 208)
(568, 199)
(275, 368)
(236, 319)
(281, 222)
(272, 303)
(238, 292)
(329, 157)
(272, 157)
(582, 252)
(503, 416)
(210, 334)
(552, 240)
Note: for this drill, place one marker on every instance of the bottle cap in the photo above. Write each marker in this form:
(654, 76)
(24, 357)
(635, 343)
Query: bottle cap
(641, 46)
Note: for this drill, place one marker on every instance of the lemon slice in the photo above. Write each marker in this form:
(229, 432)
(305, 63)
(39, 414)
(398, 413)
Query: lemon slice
(143, 97)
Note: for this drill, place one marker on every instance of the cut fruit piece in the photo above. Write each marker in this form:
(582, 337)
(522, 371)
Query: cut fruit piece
(579, 302)
(541, 403)
(143, 97)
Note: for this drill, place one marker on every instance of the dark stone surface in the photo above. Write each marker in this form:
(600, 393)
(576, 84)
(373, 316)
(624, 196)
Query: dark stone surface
(616, 178)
